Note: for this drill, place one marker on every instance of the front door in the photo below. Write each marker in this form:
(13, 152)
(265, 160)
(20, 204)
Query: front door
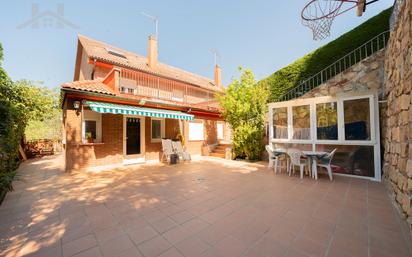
(132, 136)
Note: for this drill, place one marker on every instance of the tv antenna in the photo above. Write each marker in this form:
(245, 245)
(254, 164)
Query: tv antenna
(155, 20)
(216, 55)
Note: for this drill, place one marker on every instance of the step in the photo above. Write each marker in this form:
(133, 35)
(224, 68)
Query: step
(221, 155)
(219, 151)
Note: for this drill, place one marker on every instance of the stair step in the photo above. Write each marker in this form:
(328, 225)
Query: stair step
(221, 155)
(219, 151)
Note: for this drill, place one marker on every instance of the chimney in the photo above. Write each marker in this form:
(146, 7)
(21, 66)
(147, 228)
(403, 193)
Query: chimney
(218, 77)
(152, 55)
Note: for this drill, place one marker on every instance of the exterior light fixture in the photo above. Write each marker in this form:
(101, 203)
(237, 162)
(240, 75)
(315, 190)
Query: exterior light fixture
(76, 105)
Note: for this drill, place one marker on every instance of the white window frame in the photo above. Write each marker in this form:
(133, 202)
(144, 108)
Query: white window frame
(89, 115)
(196, 121)
(222, 124)
(162, 130)
(374, 124)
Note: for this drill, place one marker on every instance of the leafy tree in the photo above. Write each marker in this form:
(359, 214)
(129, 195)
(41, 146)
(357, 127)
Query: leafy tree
(20, 103)
(244, 107)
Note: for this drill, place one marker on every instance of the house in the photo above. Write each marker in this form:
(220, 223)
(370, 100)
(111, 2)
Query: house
(120, 105)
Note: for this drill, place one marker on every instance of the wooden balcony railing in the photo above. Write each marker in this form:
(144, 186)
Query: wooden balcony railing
(142, 84)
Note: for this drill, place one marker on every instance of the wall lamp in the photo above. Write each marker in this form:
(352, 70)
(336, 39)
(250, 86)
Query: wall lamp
(76, 106)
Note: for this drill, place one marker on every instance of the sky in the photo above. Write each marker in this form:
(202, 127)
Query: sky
(263, 36)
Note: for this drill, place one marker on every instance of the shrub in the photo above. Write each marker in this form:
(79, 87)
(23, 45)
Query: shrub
(244, 108)
(290, 76)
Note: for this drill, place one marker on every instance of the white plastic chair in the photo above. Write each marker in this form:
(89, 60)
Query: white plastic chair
(325, 162)
(167, 149)
(273, 158)
(295, 156)
(178, 148)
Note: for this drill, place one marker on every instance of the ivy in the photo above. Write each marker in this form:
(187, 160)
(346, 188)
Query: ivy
(290, 76)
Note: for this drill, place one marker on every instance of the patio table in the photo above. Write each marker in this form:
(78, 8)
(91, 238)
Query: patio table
(313, 156)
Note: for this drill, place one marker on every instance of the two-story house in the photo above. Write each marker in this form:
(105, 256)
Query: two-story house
(120, 105)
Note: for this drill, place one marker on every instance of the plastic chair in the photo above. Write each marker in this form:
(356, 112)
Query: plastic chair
(295, 156)
(167, 149)
(325, 162)
(273, 158)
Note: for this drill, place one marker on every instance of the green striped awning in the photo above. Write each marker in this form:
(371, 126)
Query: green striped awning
(101, 107)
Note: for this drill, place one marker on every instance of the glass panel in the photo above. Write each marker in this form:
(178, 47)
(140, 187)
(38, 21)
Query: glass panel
(327, 121)
(90, 127)
(357, 119)
(280, 122)
(301, 122)
(156, 129)
(351, 159)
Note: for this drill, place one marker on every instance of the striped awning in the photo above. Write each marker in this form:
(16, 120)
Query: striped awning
(101, 107)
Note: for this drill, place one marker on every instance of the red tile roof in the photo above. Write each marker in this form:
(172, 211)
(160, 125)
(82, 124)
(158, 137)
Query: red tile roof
(99, 51)
(96, 86)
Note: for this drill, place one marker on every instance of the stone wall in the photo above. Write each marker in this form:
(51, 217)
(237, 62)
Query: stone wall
(397, 166)
(367, 75)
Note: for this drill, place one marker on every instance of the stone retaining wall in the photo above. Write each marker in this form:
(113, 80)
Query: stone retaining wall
(397, 140)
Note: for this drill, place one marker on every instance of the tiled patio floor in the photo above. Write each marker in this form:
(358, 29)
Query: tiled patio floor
(203, 208)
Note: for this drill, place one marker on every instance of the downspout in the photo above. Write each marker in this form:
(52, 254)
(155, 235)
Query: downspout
(94, 69)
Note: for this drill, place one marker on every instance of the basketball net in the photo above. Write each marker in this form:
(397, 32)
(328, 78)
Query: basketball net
(318, 15)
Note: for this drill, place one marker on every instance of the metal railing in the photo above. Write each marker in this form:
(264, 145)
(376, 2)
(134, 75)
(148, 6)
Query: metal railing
(395, 13)
(360, 53)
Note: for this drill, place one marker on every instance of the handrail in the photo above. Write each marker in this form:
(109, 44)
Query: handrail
(355, 56)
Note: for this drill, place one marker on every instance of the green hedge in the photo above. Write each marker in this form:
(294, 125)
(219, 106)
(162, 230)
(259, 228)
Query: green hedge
(288, 77)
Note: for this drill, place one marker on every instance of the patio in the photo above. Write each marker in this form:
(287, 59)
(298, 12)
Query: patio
(203, 208)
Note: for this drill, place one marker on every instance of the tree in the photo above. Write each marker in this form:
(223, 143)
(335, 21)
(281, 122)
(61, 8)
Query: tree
(244, 107)
(20, 103)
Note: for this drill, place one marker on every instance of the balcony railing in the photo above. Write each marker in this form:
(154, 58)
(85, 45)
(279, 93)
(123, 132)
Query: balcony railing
(358, 54)
(142, 84)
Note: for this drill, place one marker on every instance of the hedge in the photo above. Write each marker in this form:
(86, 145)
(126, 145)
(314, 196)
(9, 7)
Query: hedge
(290, 76)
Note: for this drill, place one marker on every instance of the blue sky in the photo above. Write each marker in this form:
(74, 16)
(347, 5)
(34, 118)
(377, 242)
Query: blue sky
(261, 35)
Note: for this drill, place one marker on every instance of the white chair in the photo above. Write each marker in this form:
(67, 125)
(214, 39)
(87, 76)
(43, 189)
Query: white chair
(167, 149)
(325, 162)
(273, 158)
(295, 156)
(178, 148)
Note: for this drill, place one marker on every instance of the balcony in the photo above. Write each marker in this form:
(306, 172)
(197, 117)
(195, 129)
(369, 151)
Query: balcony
(173, 91)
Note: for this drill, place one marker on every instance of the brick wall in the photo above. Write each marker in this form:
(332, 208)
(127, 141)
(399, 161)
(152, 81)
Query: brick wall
(397, 166)
(79, 155)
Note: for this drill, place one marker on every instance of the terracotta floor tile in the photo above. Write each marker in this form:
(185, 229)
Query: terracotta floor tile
(192, 247)
(105, 234)
(182, 217)
(154, 246)
(177, 234)
(230, 247)
(172, 252)
(142, 234)
(211, 234)
(92, 252)
(78, 245)
(116, 246)
(163, 225)
(309, 246)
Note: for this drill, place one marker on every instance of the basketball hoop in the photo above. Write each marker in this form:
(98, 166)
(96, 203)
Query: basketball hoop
(318, 15)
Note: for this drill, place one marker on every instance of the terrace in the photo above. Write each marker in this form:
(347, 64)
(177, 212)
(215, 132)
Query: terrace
(203, 208)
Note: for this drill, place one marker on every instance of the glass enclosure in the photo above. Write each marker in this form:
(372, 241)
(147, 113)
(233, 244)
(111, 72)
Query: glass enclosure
(280, 123)
(348, 123)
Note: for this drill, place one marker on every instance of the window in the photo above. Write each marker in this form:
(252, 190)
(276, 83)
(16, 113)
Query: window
(220, 130)
(196, 131)
(301, 122)
(357, 119)
(177, 95)
(327, 121)
(90, 128)
(280, 123)
(92, 124)
(157, 129)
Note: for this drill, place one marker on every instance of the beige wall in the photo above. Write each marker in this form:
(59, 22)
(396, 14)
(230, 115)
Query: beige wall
(397, 142)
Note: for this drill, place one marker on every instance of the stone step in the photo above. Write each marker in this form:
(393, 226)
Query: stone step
(220, 155)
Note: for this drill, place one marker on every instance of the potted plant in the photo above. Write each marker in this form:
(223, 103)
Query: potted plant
(89, 137)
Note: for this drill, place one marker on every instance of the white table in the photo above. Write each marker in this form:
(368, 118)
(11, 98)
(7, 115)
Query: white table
(313, 156)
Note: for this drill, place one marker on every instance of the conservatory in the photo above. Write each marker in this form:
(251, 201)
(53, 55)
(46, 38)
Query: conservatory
(348, 123)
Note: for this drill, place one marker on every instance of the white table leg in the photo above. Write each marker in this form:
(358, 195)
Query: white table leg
(314, 168)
